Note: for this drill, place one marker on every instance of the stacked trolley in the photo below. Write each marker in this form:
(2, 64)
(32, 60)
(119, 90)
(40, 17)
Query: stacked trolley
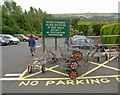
(113, 50)
(67, 60)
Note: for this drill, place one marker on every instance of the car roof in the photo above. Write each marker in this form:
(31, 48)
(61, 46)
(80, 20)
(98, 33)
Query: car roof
(8, 35)
(79, 36)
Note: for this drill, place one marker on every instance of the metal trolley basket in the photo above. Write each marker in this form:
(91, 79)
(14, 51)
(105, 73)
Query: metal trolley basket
(68, 60)
(38, 64)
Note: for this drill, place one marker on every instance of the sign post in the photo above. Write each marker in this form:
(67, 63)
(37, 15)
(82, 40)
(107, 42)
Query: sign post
(43, 44)
(55, 43)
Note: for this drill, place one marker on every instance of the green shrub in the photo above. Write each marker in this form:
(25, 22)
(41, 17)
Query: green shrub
(111, 29)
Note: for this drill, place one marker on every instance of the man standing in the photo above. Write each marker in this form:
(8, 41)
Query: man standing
(32, 44)
(67, 43)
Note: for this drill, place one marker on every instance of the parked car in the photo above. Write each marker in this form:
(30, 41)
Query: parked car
(12, 40)
(36, 37)
(3, 42)
(81, 41)
(21, 37)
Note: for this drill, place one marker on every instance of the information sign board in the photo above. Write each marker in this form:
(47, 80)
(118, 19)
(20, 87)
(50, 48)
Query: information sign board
(55, 28)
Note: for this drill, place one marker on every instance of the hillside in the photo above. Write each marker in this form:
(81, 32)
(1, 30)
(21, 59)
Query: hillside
(112, 17)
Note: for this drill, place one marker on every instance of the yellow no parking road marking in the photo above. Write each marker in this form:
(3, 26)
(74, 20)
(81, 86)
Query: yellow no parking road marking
(37, 72)
(90, 71)
(106, 76)
(113, 68)
(43, 79)
(80, 77)
(51, 79)
(58, 72)
(31, 75)
(47, 69)
(21, 76)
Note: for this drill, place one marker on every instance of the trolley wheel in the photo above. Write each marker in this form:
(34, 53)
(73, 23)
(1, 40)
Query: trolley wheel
(98, 59)
(43, 68)
(106, 57)
(77, 55)
(73, 74)
(29, 69)
(74, 65)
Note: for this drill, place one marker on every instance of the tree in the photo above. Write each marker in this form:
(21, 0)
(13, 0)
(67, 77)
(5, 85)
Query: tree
(97, 27)
(84, 27)
(14, 20)
(74, 23)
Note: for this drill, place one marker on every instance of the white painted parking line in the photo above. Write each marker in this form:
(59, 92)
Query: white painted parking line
(38, 46)
(10, 79)
(12, 74)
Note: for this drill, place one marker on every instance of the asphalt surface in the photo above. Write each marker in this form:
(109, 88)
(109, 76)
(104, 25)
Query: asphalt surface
(100, 77)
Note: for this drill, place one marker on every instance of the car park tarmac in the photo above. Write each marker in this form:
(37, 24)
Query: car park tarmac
(100, 77)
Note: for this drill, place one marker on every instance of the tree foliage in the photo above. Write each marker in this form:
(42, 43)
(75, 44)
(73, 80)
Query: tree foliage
(15, 20)
(89, 28)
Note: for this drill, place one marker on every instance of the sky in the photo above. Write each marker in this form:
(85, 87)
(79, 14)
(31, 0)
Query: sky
(71, 6)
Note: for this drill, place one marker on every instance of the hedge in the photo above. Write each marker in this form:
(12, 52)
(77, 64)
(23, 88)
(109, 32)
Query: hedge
(111, 29)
